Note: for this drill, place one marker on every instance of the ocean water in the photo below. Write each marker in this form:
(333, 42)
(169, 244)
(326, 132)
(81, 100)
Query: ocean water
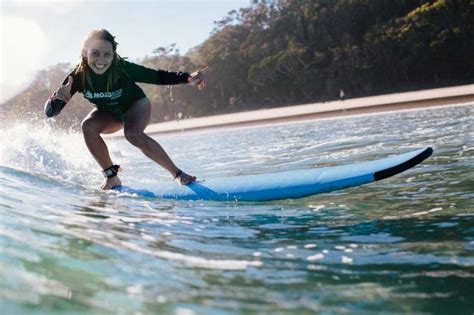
(401, 245)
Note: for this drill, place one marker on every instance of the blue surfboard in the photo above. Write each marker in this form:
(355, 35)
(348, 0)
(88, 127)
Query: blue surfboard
(288, 184)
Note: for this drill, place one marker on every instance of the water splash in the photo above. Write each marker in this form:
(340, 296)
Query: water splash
(47, 151)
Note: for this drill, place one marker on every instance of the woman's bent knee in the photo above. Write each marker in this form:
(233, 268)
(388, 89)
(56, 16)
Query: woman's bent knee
(89, 127)
(137, 138)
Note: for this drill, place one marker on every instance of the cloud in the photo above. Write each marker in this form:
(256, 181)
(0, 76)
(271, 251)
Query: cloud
(50, 7)
(23, 48)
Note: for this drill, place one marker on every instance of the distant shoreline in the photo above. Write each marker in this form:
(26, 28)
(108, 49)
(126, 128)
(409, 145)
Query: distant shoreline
(372, 104)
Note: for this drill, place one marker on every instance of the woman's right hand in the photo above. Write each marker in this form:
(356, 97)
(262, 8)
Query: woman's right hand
(64, 92)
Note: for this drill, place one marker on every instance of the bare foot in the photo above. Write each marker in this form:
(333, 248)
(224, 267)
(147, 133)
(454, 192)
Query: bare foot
(110, 183)
(184, 179)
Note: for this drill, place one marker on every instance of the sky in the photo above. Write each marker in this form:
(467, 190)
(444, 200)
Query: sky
(36, 34)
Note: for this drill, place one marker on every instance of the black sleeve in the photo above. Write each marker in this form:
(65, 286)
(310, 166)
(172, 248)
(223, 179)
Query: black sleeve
(76, 82)
(146, 75)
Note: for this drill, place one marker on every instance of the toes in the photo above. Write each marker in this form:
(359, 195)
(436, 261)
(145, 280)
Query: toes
(183, 178)
(186, 179)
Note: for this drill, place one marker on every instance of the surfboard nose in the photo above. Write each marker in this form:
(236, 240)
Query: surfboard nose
(394, 170)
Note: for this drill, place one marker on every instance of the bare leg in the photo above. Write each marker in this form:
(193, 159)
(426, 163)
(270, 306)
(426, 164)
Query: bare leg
(93, 125)
(135, 121)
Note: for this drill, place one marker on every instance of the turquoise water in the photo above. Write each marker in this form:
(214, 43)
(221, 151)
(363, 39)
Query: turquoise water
(402, 245)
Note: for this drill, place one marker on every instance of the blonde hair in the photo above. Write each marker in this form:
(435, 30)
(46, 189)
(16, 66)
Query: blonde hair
(116, 68)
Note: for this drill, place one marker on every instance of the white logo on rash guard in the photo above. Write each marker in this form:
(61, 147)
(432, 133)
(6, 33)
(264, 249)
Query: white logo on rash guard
(94, 95)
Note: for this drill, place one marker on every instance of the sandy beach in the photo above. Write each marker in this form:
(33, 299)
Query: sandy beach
(389, 102)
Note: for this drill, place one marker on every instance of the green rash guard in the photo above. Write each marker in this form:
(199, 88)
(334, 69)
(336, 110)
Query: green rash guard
(118, 99)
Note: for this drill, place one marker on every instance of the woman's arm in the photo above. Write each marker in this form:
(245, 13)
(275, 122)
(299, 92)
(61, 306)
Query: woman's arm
(143, 74)
(58, 100)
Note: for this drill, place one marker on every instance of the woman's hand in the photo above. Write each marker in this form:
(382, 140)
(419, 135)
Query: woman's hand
(197, 78)
(64, 92)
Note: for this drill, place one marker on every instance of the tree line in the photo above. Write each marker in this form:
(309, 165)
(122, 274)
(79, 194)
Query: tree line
(286, 52)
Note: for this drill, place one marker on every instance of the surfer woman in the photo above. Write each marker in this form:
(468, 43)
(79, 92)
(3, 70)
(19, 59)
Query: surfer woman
(108, 81)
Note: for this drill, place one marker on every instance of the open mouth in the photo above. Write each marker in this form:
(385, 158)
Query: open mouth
(99, 66)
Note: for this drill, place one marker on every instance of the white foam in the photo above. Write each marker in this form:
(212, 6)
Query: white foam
(48, 151)
(194, 261)
(315, 257)
(346, 260)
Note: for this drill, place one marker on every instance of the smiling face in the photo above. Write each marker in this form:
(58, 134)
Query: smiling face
(99, 54)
